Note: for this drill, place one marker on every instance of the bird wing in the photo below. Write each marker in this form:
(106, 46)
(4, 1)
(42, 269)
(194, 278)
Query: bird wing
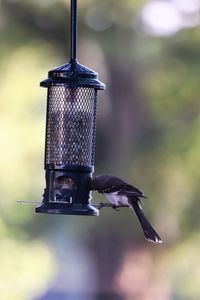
(111, 189)
(129, 190)
(111, 184)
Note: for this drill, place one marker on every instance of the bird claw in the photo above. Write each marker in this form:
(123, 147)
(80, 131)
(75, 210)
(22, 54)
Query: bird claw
(115, 207)
(101, 205)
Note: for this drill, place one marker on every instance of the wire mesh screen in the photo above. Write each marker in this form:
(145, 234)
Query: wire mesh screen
(71, 126)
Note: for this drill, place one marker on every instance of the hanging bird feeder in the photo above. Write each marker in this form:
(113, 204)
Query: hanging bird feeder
(70, 134)
(70, 145)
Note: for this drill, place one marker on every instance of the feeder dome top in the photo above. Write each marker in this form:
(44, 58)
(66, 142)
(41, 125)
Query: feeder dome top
(73, 75)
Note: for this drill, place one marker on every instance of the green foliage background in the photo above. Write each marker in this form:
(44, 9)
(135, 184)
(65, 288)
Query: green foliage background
(147, 132)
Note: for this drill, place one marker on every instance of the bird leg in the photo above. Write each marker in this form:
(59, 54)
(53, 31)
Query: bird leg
(115, 207)
(100, 205)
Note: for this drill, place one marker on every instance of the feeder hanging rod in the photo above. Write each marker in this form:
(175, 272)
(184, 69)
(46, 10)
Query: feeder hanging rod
(73, 48)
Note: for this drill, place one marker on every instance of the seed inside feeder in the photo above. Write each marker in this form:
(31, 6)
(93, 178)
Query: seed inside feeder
(71, 126)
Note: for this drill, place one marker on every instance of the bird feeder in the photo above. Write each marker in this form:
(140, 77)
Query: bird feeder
(70, 134)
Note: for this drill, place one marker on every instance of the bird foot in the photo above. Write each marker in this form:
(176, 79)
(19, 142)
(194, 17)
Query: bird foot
(115, 207)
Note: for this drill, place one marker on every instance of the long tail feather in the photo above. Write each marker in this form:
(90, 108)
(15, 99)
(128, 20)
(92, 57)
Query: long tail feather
(149, 233)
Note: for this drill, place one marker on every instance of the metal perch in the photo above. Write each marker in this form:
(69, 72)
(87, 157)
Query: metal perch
(98, 206)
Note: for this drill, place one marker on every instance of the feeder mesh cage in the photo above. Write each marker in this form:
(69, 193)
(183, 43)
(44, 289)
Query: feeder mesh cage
(71, 126)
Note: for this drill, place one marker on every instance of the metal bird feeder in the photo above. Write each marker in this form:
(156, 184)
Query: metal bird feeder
(70, 134)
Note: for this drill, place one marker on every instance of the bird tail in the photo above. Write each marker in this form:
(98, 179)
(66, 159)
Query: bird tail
(149, 233)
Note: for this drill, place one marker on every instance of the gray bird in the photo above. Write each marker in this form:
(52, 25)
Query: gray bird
(119, 192)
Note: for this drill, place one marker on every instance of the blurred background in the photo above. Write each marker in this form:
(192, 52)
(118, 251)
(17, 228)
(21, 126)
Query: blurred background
(148, 54)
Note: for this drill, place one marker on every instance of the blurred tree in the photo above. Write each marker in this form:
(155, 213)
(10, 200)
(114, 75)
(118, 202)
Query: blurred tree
(148, 132)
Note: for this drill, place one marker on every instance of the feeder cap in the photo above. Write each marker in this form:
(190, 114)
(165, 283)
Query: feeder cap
(73, 75)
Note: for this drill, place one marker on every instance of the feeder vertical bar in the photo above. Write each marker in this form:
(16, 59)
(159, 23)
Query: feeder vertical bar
(73, 29)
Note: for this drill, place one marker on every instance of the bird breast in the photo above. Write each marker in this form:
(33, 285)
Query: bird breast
(116, 199)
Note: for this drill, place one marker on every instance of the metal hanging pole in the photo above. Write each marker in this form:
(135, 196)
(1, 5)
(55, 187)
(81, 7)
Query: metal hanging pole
(73, 30)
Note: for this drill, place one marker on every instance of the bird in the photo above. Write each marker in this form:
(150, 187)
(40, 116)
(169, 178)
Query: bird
(119, 192)
(64, 182)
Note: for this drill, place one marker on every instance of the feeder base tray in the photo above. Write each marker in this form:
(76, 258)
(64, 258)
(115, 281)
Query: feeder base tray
(67, 209)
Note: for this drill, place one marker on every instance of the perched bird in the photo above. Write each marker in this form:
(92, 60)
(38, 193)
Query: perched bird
(64, 182)
(119, 192)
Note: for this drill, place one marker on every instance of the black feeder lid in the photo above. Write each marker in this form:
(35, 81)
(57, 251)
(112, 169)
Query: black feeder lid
(73, 75)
